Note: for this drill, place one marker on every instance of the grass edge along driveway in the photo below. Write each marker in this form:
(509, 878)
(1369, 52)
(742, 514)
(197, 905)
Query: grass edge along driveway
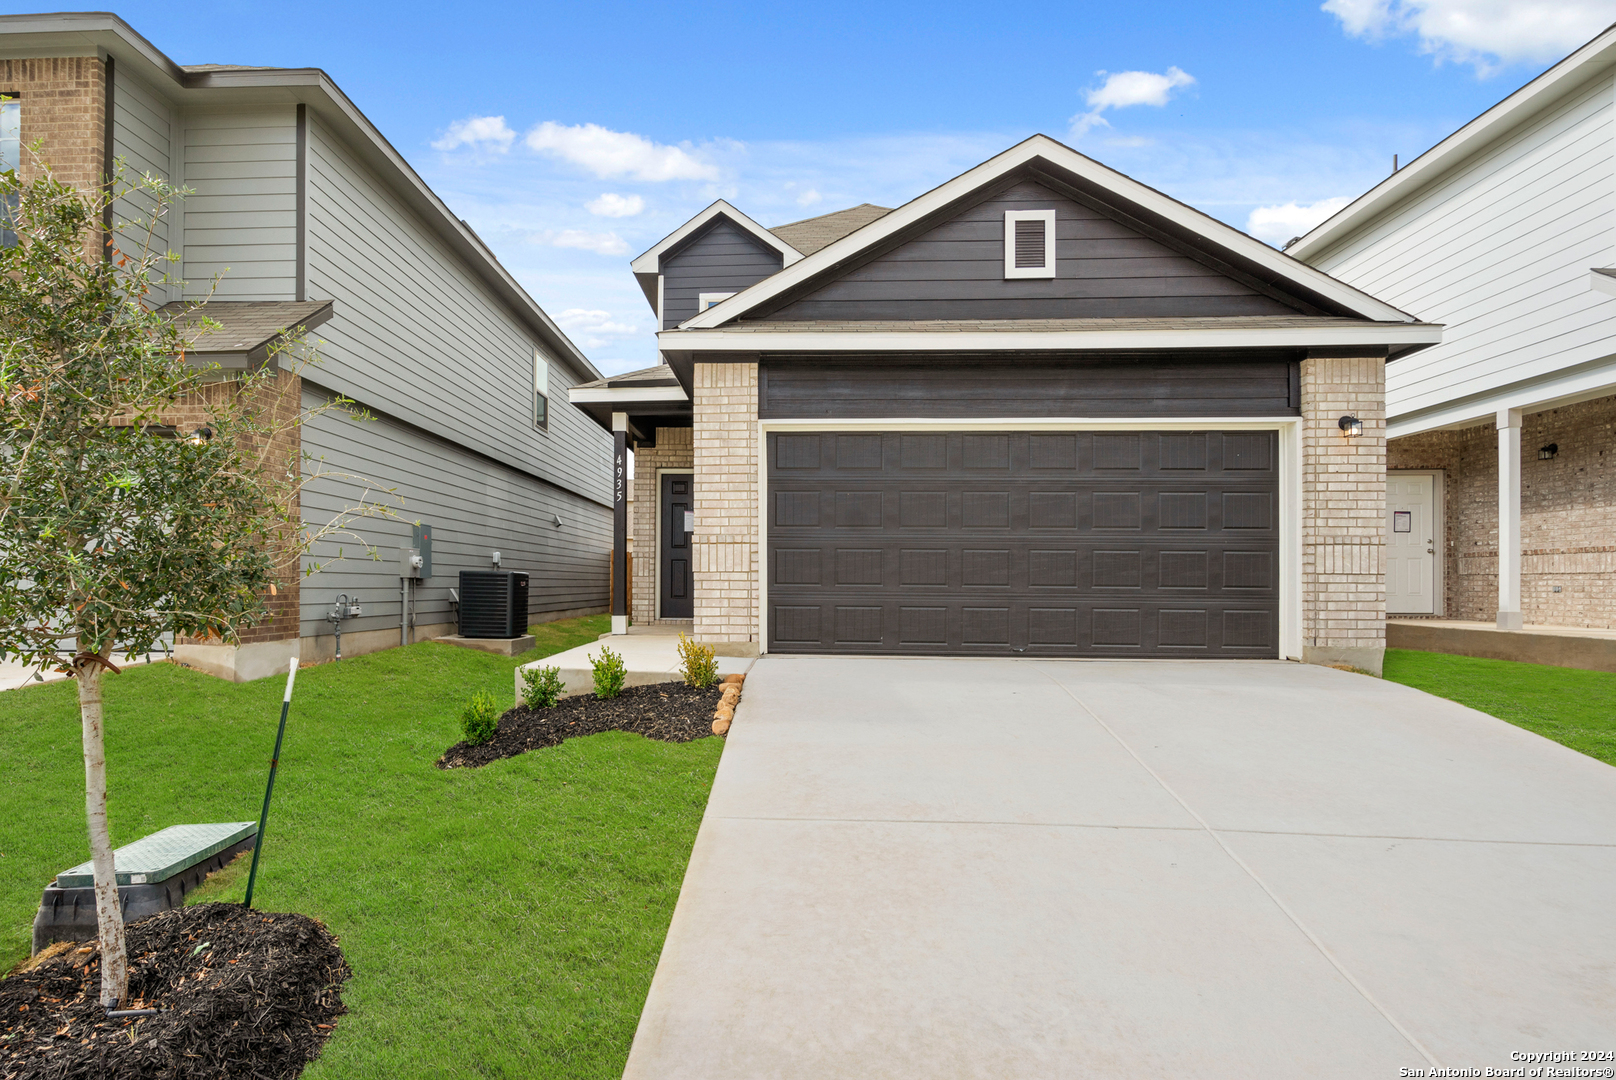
(1575, 708)
(502, 921)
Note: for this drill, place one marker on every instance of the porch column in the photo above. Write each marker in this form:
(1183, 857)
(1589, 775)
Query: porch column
(1509, 519)
(619, 523)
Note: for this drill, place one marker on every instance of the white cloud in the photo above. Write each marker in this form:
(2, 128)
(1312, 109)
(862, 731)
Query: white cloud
(600, 243)
(610, 205)
(1124, 88)
(478, 131)
(809, 198)
(608, 153)
(594, 329)
(1486, 33)
(1277, 224)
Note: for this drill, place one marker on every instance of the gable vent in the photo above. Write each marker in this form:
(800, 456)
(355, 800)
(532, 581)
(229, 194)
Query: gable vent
(1029, 244)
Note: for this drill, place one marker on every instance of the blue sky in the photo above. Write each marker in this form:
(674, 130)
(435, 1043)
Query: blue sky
(616, 122)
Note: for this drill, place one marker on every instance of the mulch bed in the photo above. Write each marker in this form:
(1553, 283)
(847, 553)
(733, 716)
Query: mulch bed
(243, 992)
(670, 712)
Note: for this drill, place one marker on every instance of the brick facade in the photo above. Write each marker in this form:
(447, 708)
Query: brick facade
(1343, 512)
(1568, 514)
(673, 450)
(726, 459)
(64, 106)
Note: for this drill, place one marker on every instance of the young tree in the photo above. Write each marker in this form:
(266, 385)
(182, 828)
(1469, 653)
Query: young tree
(117, 525)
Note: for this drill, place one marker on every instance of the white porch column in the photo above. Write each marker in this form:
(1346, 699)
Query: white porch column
(1509, 519)
(619, 523)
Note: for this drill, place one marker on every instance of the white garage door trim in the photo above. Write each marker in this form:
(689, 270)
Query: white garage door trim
(1290, 489)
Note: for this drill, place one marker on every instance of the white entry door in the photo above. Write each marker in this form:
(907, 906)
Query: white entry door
(1410, 544)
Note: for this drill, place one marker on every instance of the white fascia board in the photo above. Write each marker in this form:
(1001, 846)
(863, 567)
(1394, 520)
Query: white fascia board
(1062, 157)
(651, 261)
(1587, 63)
(625, 394)
(1371, 334)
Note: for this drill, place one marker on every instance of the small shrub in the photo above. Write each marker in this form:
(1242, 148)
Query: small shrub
(699, 664)
(480, 720)
(610, 674)
(541, 687)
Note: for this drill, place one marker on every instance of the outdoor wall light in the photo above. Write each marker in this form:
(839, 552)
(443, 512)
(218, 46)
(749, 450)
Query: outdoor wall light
(200, 436)
(1547, 453)
(1351, 427)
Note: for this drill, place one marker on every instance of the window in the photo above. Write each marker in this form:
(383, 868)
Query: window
(541, 391)
(1029, 243)
(708, 299)
(10, 158)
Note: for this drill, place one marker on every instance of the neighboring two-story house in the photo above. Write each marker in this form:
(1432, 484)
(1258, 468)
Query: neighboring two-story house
(1502, 485)
(308, 217)
(1040, 410)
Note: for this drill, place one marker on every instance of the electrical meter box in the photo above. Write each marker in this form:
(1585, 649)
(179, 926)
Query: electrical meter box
(421, 541)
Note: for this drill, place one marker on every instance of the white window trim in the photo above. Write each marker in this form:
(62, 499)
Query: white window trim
(541, 388)
(707, 299)
(1011, 270)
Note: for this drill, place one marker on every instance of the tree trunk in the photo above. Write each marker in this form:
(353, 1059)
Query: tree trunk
(108, 913)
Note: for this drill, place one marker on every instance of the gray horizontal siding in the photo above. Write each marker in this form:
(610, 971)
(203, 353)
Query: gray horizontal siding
(724, 258)
(1104, 269)
(142, 137)
(872, 387)
(475, 506)
(241, 221)
(419, 336)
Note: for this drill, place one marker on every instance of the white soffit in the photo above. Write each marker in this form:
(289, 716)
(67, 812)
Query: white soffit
(1060, 156)
(1587, 63)
(608, 395)
(651, 261)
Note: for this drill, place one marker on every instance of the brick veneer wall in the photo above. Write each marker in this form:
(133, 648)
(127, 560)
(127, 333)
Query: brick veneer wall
(726, 459)
(673, 450)
(64, 103)
(282, 397)
(1568, 514)
(1343, 512)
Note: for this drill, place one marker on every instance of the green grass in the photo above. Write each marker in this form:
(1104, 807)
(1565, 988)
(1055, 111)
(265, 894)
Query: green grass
(1573, 707)
(502, 921)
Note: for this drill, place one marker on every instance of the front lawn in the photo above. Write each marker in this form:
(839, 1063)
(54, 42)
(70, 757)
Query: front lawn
(502, 921)
(1570, 706)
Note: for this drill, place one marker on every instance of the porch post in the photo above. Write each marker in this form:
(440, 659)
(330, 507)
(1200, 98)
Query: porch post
(619, 523)
(1509, 519)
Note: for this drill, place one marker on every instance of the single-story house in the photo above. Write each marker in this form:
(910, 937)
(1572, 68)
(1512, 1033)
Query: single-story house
(307, 216)
(1502, 452)
(1040, 410)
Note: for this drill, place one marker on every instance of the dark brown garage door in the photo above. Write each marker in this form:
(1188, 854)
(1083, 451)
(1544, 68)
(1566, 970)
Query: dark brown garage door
(1052, 544)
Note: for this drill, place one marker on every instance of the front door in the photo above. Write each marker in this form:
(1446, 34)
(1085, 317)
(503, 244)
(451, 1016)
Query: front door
(1410, 544)
(675, 594)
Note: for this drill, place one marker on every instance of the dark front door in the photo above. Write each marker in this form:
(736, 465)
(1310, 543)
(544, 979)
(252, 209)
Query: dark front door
(673, 556)
(1111, 543)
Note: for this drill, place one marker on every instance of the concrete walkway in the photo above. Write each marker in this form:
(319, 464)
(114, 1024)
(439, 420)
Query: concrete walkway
(650, 653)
(974, 868)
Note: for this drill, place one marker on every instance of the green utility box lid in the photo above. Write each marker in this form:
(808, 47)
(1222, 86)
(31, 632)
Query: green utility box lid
(163, 854)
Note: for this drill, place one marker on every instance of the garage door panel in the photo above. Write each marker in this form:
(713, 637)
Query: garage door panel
(1060, 544)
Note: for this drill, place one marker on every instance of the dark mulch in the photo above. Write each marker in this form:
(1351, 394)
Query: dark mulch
(671, 712)
(243, 992)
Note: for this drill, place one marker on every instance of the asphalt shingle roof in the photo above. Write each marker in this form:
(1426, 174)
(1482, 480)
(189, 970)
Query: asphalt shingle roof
(811, 234)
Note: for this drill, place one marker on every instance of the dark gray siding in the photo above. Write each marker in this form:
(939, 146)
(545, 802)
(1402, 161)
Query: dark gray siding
(475, 506)
(939, 386)
(1104, 269)
(724, 258)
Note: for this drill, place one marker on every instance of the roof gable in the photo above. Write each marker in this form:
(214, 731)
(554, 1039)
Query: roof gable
(720, 258)
(1106, 268)
(1183, 230)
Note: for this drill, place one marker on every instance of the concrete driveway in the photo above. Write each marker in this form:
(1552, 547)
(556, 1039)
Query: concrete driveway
(982, 868)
